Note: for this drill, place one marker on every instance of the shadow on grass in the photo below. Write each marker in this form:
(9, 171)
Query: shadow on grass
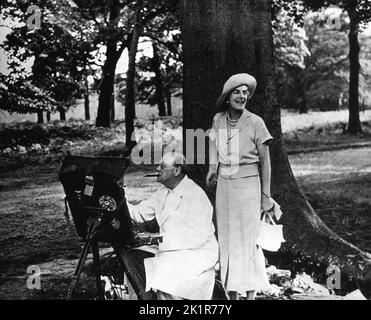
(345, 206)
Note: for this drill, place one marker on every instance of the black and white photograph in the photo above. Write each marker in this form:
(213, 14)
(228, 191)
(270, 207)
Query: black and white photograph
(202, 152)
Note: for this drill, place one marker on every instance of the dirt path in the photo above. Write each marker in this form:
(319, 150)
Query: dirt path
(34, 230)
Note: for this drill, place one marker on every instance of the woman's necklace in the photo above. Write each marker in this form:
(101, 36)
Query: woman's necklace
(231, 122)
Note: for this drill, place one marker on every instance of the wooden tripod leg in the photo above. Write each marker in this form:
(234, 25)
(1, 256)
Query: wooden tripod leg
(97, 270)
(80, 265)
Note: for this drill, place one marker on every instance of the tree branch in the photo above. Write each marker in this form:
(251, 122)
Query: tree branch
(169, 45)
(85, 16)
(151, 15)
(125, 44)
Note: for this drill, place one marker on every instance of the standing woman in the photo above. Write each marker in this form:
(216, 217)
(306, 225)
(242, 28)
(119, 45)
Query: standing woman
(239, 142)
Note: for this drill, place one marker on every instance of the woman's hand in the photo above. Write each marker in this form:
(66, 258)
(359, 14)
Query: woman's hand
(267, 203)
(211, 177)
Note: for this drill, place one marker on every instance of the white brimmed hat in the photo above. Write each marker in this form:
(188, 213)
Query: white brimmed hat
(235, 81)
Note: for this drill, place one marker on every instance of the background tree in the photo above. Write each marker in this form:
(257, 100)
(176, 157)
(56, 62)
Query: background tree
(60, 56)
(164, 32)
(18, 94)
(159, 92)
(86, 98)
(118, 25)
(160, 76)
(221, 38)
(325, 75)
(359, 13)
(290, 52)
(152, 12)
(173, 78)
(111, 23)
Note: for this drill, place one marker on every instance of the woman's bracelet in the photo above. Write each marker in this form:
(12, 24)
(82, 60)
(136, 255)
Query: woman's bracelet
(264, 194)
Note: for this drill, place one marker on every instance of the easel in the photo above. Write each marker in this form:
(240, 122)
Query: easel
(85, 180)
(92, 242)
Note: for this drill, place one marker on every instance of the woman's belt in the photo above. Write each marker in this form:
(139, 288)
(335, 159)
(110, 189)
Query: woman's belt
(233, 171)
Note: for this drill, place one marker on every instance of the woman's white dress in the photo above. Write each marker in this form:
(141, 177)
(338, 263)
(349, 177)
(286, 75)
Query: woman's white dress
(238, 201)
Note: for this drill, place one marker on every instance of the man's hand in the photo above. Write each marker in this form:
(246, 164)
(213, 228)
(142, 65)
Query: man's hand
(115, 223)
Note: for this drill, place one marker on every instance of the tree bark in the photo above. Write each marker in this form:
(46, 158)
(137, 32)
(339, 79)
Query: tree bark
(86, 100)
(303, 106)
(354, 126)
(113, 113)
(106, 86)
(108, 75)
(168, 87)
(168, 103)
(62, 114)
(40, 116)
(221, 38)
(156, 65)
(130, 79)
(298, 90)
(35, 81)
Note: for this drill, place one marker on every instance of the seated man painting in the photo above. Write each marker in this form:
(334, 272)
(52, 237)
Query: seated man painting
(183, 264)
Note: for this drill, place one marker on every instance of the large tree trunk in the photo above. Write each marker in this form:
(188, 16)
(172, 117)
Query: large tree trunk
(130, 79)
(354, 125)
(86, 100)
(221, 38)
(156, 64)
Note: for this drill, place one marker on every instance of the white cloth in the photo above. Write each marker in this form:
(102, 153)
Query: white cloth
(185, 263)
(277, 210)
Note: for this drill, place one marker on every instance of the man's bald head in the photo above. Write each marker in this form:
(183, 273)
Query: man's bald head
(176, 159)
